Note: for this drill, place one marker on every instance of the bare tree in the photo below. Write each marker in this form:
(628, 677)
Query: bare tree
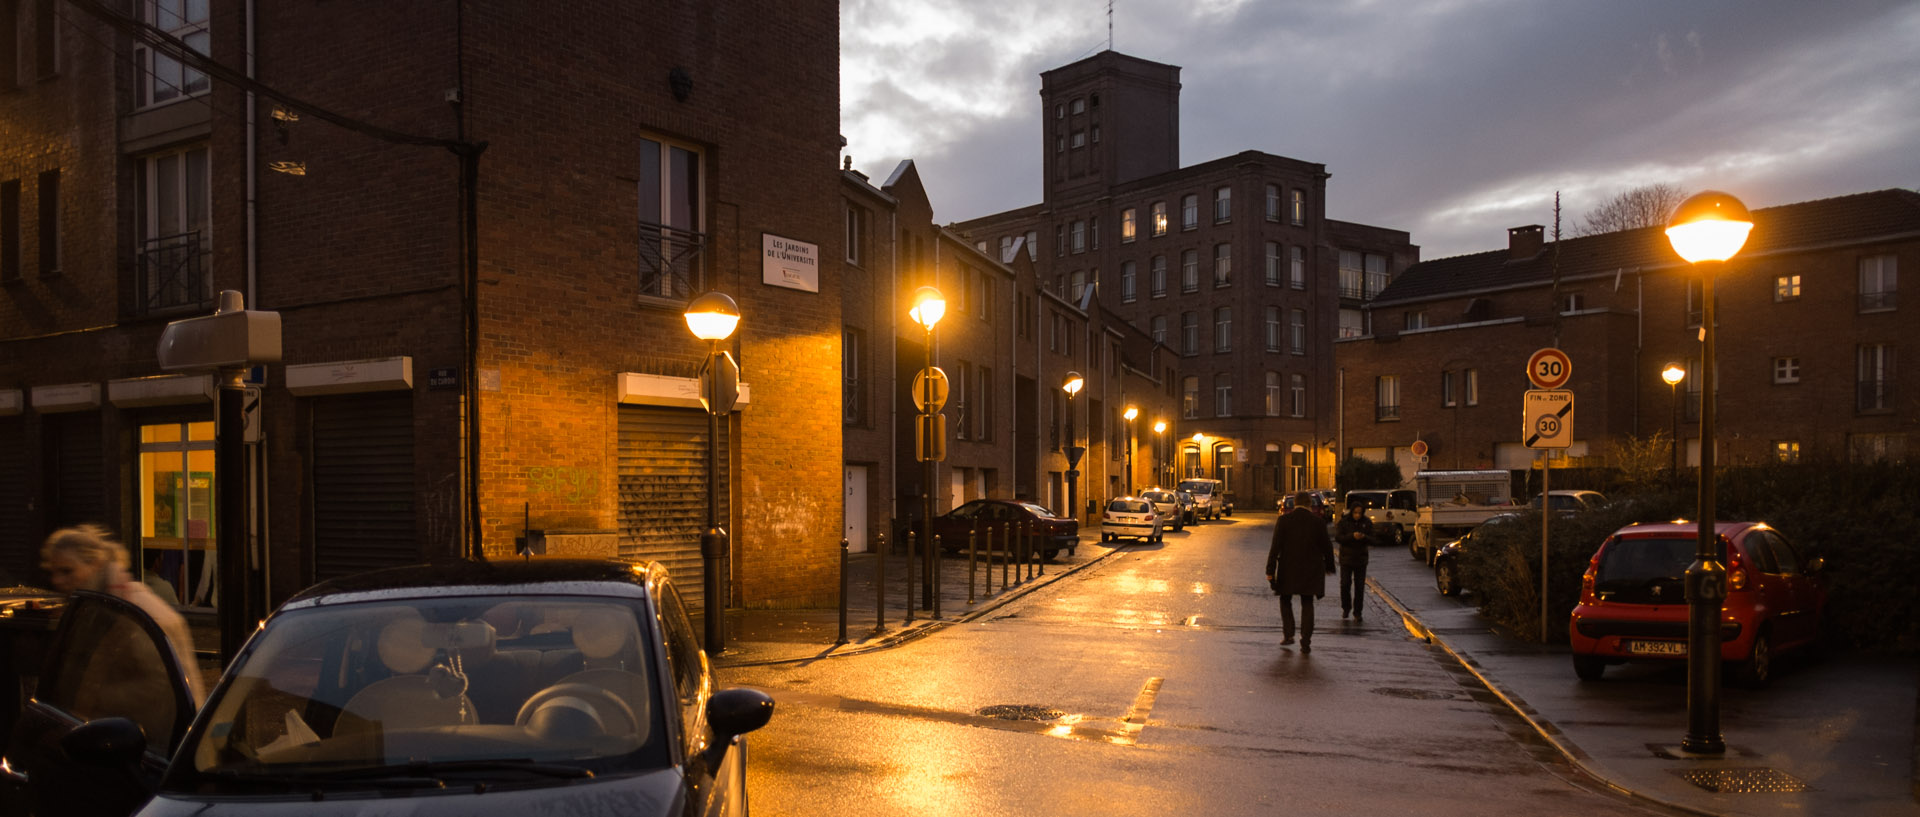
(1645, 206)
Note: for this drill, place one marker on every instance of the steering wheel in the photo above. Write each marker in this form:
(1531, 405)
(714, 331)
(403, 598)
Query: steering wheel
(616, 718)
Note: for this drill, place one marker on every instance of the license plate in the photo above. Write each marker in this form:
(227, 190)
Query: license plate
(1657, 647)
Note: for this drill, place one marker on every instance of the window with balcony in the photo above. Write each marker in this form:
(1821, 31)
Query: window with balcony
(1273, 263)
(1190, 271)
(1879, 283)
(1189, 211)
(173, 203)
(1222, 265)
(1377, 278)
(1875, 381)
(1273, 329)
(1386, 397)
(1352, 275)
(1273, 394)
(1353, 323)
(1157, 276)
(1297, 394)
(1297, 331)
(1223, 395)
(672, 220)
(1297, 266)
(1189, 333)
(1223, 329)
(1190, 397)
(1127, 291)
(164, 79)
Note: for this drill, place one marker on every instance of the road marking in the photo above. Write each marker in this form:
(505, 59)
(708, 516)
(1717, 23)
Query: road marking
(1136, 717)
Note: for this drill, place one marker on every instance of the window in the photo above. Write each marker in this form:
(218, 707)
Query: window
(1573, 301)
(1786, 370)
(1352, 276)
(984, 303)
(1079, 236)
(1297, 330)
(1786, 451)
(1189, 211)
(1273, 329)
(1223, 329)
(1079, 279)
(1159, 218)
(1786, 287)
(1078, 140)
(855, 232)
(1876, 377)
(172, 205)
(1273, 394)
(1159, 324)
(1877, 447)
(1376, 275)
(983, 415)
(1222, 205)
(1079, 107)
(1879, 283)
(1353, 323)
(962, 412)
(1694, 302)
(1299, 208)
(1222, 395)
(1222, 265)
(10, 230)
(1297, 267)
(852, 400)
(671, 220)
(50, 222)
(1416, 319)
(163, 78)
(1273, 202)
(1059, 142)
(1095, 134)
(178, 478)
(1190, 397)
(1033, 245)
(1472, 386)
(1446, 389)
(1190, 271)
(1093, 232)
(1386, 397)
(1060, 240)
(1157, 276)
(1127, 292)
(1273, 263)
(1126, 225)
(1297, 390)
(1189, 333)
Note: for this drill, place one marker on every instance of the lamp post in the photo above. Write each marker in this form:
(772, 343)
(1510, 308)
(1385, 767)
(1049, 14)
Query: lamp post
(929, 306)
(1130, 413)
(1706, 230)
(1072, 386)
(1673, 374)
(1199, 455)
(712, 318)
(1159, 441)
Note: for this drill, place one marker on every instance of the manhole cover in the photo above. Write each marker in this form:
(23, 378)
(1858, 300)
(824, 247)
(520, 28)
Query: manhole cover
(1414, 694)
(1744, 781)
(1019, 712)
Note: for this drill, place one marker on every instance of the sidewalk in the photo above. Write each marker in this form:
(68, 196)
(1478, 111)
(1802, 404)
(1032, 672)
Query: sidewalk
(773, 636)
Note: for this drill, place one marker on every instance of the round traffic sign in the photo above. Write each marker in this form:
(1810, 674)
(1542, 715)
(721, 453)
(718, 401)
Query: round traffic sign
(1419, 448)
(930, 390)
(1549, 368)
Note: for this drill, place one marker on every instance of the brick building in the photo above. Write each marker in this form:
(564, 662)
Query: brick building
(1232, 263)
(1809, 323)
(313, 160)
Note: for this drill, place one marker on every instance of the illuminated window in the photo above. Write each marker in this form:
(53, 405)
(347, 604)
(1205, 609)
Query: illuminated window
(176, 496)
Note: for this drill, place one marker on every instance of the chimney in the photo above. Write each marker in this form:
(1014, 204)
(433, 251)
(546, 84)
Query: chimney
(1524, 242)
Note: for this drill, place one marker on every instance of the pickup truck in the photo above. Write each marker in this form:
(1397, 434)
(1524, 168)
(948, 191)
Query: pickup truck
(1452, 503)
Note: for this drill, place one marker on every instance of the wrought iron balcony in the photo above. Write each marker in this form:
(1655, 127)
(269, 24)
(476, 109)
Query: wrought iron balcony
(1874, 395)
(1385, 412)
(174, 274)
(1879, 301)
(672, 262)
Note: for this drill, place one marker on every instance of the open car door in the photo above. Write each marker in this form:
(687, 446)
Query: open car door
(111, 707)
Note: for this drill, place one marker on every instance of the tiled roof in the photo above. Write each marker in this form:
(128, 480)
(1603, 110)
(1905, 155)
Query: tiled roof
(1823, 222)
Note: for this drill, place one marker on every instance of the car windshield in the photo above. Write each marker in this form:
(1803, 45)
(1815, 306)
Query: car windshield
(1634, 562)
(1161, 497)
(1197, 488)
(361, 693)
(1129, 506)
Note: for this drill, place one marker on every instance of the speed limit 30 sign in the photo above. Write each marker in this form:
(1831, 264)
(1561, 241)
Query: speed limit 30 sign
(1549, 368)
(1547, 418)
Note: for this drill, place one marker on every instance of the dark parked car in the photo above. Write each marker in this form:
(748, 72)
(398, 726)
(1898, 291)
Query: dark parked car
(1051, 534)
(1633, 602)
(510, 687)
(1320, 505)
(1446, 562)
(1571, 501)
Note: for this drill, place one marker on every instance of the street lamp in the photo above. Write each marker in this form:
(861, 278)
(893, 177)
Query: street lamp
(712, 317)
(1159, 441)
(1706, 230)
(1072, 386)
(1130, 413)
(1199, 455)
(1673, 374)
(928, 307)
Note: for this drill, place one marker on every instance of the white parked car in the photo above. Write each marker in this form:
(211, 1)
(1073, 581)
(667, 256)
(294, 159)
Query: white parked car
(1130, 516)
(1167, 504)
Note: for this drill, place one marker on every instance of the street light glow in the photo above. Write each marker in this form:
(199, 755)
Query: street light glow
(711, 317)
(1159, 426)
(1131, 413)
(1073, 383)
(1199, 437)
(929, 306)
(1710, 226)
(1673, 374)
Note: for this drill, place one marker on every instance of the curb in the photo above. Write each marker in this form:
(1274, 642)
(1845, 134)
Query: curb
(907, 635)
(1543, 727)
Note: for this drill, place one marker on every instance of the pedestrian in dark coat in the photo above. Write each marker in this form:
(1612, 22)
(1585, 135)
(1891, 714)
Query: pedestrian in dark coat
(1355, 534)
(1298, 564)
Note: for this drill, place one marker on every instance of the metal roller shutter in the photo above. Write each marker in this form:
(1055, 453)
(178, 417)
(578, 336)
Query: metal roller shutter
(76, 472)
(363, 495)
(663, 491)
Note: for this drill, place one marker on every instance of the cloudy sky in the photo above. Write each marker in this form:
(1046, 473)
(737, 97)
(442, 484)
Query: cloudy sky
(1451, 119)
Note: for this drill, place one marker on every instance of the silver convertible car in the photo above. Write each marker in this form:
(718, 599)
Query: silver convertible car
(539, 687)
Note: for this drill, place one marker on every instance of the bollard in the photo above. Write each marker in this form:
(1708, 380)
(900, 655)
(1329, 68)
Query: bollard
(911, 569)
(843, 592)
(1004, 559)
(880, 588)
(1034, 547)
(1043, 558)
(972, 553)
(935, 554)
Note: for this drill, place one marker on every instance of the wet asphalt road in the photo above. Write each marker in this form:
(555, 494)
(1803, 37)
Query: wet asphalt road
(1163, 689)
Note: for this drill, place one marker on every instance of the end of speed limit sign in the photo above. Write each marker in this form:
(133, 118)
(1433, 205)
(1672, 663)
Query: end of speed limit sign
(1548, 419)
(1549, 368)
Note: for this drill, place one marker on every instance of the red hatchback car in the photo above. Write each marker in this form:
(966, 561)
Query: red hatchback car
(1633, 602)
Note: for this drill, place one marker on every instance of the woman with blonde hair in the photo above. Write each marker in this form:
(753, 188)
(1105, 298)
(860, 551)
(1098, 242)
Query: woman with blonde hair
(85, 557)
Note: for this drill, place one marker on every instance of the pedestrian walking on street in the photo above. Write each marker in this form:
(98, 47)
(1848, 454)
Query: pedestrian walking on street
(1355, 534)
(1298, 564)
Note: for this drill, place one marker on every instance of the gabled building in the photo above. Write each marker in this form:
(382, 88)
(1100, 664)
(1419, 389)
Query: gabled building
(1232, 263)
(1810, 326)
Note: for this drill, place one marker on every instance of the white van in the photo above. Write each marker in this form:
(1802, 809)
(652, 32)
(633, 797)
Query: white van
(1209, 497)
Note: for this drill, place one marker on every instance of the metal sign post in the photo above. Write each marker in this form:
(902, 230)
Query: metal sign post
(1547, 424)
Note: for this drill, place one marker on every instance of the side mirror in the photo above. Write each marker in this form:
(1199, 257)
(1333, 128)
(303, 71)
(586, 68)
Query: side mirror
(107, 742)
(732, 713)
(1816, 564)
